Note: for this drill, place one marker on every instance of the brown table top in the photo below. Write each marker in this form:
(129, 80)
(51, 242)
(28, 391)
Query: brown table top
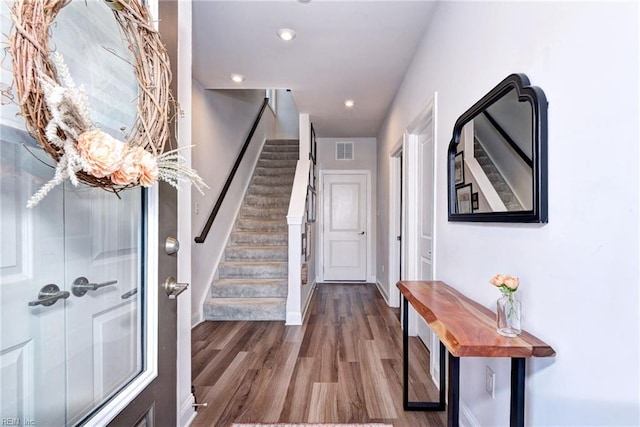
(465, 327)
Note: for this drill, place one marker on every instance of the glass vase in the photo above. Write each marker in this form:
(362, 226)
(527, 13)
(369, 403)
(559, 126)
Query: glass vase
(509, 315)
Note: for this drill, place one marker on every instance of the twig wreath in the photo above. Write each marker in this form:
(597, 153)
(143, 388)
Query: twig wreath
(57, 115)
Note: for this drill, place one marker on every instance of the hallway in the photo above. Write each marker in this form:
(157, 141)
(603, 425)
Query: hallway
(343, 365)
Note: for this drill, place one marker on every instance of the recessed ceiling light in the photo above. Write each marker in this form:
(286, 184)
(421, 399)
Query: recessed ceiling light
(304, 1)
(238, 78)
(349, 103)
(286, 34)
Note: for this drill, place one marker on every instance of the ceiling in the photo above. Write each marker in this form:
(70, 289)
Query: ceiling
(356, 50)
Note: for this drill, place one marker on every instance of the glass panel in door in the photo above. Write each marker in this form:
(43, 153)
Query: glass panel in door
(71, 268)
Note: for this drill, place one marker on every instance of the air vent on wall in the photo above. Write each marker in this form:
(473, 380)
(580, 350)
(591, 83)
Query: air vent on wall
(344, 150)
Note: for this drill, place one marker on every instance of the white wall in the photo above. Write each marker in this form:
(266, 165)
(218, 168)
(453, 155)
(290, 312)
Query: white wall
(221, 122)
(364, 158)
(579, 272)
(287, 126)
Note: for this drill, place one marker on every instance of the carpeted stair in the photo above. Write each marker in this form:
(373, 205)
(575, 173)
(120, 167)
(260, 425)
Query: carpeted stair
(495, 177)
(251, 281)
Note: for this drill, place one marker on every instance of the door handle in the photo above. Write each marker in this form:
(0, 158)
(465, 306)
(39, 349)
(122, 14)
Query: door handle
(81, 286)
(49, 295)
(129, 294)
(173, 288)
(361, 233)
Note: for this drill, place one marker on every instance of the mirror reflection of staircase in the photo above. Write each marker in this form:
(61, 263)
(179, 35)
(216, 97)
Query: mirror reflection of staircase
(251, 280)
(495, 177)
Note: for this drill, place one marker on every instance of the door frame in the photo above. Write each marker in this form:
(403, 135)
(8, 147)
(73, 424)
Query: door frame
(396, 222)
(411, 211)
(320, 219)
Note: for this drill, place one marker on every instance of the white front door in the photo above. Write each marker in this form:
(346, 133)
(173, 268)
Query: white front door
(345, 235)
(66, 344)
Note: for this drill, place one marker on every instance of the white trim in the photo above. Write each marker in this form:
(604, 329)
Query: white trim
(130, 392)
(385, 296)
(395, 222)
(185, 410)
(187, 413)
(306, 305)
(467, 419)
(197, 317)
(369, 274)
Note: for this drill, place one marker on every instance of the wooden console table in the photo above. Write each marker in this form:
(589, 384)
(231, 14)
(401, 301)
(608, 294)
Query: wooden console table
(465, 329)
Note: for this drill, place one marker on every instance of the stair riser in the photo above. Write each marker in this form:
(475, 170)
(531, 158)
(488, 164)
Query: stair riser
(272, 142)
(244, 224)
(251, 271)
(251, 253)
(260, 201)
(280, 171)
(277, 164)
(230, 313)
(258, 239)
(270, 190)
(281, 149)
(249, 291)
(282, 179)
(279, 155)
(267, 213)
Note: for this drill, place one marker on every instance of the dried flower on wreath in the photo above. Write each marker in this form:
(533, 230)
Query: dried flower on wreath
(57, 114)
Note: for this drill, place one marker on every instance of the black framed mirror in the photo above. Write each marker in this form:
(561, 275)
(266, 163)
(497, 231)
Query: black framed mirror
(497, 158)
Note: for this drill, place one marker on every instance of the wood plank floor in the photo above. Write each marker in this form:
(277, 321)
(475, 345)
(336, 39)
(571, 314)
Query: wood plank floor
(344, 365)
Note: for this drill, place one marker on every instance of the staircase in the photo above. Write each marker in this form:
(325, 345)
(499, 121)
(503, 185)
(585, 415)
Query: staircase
(251, 281)
(495, 177)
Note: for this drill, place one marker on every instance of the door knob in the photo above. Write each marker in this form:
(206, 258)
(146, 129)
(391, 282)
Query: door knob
(171, 246)
(361, 233)
(81, 286)
(49, 295)
(173, 288)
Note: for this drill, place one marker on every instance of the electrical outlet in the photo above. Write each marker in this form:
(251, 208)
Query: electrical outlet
(490, 383)
(383, 268)
(197, 208)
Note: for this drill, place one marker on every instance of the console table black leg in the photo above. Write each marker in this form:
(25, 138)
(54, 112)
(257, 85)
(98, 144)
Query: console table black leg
(405, 354)
(517, 391)
(453, 409)
(443, 377)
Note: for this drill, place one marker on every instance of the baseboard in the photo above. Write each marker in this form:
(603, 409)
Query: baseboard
(196, 318)
(187, 413)
(306, 306)
(384, 294)
(466, 417)
(294, 319)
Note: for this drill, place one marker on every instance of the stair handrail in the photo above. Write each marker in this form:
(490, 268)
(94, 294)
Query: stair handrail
(223, 193)
(508, 138)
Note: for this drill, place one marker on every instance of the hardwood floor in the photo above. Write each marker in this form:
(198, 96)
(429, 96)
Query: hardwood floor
(343, 365)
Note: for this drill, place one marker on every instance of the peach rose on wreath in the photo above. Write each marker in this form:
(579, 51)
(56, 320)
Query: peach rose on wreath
(506, 283)
(129, 170)
(101, 153)
(137, 165)
(148, 168)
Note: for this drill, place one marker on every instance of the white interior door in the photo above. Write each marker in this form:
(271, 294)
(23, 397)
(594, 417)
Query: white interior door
(345, 231)
(424, 135)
